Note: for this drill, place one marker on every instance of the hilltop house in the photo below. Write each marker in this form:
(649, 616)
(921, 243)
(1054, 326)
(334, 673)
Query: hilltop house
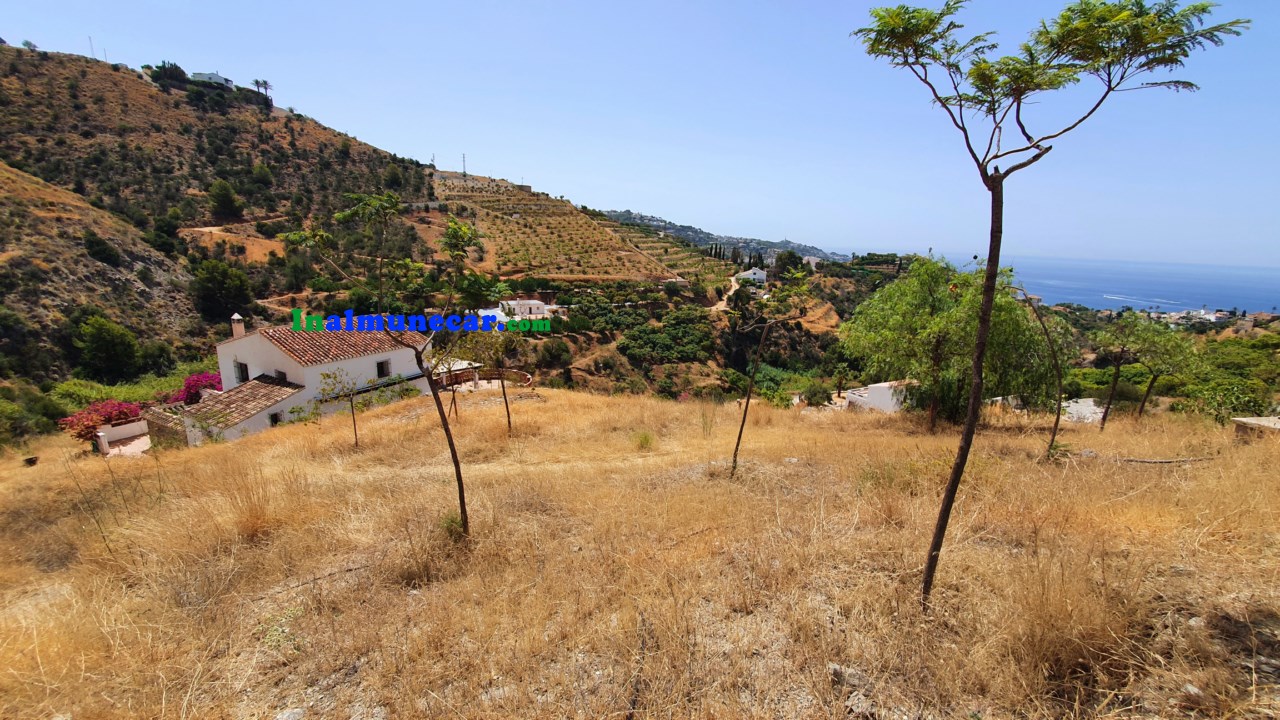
(214, 78)
(754, 275)
(272, 370)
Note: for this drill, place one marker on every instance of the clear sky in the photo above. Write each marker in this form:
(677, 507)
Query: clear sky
(761, 119)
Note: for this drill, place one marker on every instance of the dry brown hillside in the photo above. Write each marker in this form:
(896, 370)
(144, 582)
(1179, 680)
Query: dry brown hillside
(45, 269)
(615, 570)
(109, 133)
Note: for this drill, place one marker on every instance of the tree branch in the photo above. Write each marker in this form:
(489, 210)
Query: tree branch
(1028, 162)
(923, 76)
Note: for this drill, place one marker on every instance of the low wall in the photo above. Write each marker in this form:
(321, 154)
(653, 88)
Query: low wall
(124, 430)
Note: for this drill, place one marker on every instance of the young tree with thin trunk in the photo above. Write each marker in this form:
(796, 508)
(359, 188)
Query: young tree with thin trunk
(1118, 342)
(1163, 351)
(1055, 353)
(785, 304)
(339, 385)
(431, 355)
(494, 349)
(1115, 44)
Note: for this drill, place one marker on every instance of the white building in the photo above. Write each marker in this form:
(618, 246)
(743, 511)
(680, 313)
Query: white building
(885, 397)
(509, 310)
(754, 274)
(215, 78)
(272, 370)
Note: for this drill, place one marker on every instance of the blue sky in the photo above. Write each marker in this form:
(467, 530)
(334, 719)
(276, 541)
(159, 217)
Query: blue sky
(743, 118)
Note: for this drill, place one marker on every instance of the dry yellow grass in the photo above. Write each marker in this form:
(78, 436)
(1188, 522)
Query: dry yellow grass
(614, 566)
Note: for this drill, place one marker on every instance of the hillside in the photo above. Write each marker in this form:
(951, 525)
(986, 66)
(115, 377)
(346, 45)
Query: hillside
(616, 569)
(702, 238)
(46, 272)
(127, 144)
(531, 234)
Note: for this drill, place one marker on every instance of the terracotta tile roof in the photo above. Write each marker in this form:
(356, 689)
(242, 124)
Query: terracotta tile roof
(318, 348)
(242, 401)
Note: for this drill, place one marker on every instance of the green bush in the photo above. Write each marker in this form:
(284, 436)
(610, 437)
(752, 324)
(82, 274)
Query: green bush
(101, 250)
(108, 351)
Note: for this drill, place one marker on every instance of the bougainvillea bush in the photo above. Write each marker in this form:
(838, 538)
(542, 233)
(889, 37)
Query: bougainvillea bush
(84, 424)
(191, 387)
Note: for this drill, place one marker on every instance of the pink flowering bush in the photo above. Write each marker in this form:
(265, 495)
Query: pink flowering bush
(191, 387)
(84, 424)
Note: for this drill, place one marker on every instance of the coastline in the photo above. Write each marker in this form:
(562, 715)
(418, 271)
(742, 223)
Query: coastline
(1112, 284)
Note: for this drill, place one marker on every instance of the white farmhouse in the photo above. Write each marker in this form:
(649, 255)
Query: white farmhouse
(215, 78)
(518, 309)
(754, 274)
(268, 372)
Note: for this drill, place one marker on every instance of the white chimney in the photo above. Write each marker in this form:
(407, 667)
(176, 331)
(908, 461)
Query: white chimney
(237, 326)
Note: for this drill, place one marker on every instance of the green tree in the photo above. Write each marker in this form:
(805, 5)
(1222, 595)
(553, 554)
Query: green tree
(107, 351)
(392, 177)
(219, 290)
(1163, 351)
(1118, 342)
(1117, 44)
(459, 240)
(223, 201)
(786, 261)
(262, 176)
(921, 328)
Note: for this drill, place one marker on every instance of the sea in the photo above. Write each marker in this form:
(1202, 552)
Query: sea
(1168, 286)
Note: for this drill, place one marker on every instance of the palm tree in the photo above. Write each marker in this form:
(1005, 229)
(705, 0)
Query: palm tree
(266, 87)
(257, 85)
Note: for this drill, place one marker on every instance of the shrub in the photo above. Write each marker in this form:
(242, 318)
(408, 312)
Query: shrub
(553, 353)
(84, 424)
(191, 387)
(108, 351)
(816, 394)
(101, 250)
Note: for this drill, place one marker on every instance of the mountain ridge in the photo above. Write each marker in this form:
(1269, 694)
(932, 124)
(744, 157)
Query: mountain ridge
(703, 238)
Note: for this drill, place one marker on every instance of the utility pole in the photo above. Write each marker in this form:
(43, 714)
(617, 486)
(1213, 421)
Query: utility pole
(92, 54)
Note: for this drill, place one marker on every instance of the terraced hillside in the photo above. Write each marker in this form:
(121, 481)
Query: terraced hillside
(678, 255)
(529, 233)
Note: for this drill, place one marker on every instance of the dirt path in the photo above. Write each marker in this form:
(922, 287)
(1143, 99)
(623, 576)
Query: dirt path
(724, 301)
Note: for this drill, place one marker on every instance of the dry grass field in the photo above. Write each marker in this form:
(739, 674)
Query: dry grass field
(615, 570)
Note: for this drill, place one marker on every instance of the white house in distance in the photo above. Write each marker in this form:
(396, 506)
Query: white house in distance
(754, 274)
(509, 310)
(268, 372)
(215, 78)
(885, 397)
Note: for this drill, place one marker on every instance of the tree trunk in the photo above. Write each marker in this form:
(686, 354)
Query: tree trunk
(502, 382)
(453, 449)
(995, 184)
(751, 383)
(933, 414)
(1111, 394)
(1057, 375)
(1147, 395)
(356, 433)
